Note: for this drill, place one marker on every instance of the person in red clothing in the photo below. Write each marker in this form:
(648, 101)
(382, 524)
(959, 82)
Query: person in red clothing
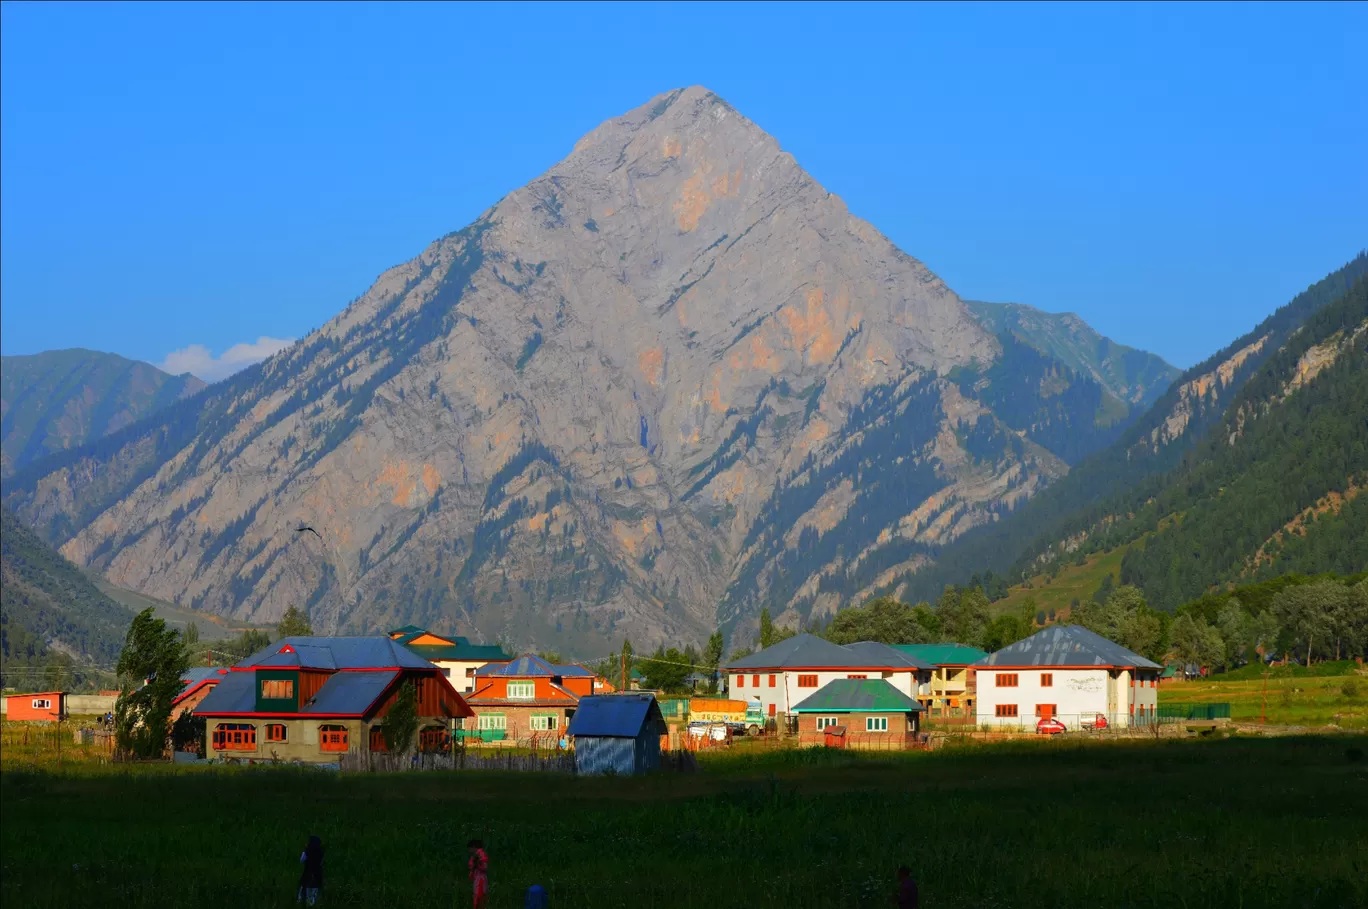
(906, 897)
(479, 874)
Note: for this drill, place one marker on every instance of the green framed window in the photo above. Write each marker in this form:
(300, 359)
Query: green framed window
(522, 690)
(493, 721)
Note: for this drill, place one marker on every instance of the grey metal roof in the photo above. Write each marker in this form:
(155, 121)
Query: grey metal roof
(368, 652)
(617, 715)
(878, 654)
(857, 696)
(806, 651)
(1066, 645)
(350, 692)
(529, 665)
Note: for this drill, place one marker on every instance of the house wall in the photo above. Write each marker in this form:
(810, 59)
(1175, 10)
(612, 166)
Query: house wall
(460, 673)
(19, 707)
(1074, 692)
(191, 702)
(518, 722)
(302, 740)
(784, 693)
(901, 726)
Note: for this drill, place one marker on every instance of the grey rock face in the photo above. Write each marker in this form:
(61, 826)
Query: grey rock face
(668, 382)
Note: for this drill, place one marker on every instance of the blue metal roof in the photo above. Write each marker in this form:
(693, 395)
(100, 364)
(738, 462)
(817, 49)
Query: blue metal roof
(530, 665)
(368, 652)
(617, 715)
(807, 651)
(883, 655)
(235, 694)
(350, 692)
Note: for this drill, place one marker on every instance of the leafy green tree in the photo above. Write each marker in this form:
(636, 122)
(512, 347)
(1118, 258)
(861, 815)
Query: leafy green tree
(712, 658)
(665, 670)
(1237, 631)
(1104, 590)
(770, 633)
(246, 644)
(964, 616)
(191, 634)
(552, 656)
(294, 624)
(401, 722)
(150, 669)
(1194, 641)
(885, 620)
(1003, 631)
(1313, 614)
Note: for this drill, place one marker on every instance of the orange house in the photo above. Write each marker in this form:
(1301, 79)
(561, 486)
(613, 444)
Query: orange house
(40, 707)
(528, 700)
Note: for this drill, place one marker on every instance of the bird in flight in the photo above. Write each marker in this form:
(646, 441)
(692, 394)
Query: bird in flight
(304, 527)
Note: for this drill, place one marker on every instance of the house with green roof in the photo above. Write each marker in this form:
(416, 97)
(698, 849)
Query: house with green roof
(455, 656)
(859, 713)
(952, 690)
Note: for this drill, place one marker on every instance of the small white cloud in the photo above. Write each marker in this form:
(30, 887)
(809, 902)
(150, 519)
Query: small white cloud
(199, 361)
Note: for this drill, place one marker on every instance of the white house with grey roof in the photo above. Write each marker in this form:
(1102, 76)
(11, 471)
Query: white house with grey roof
(781, 676)
(1068, 672)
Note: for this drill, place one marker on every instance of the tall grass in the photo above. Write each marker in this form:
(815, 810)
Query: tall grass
(1229, 823)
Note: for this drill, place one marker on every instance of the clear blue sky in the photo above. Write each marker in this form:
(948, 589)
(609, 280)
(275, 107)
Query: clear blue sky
(200, 174)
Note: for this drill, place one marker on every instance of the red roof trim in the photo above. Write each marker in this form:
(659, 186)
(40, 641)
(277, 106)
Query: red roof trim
(433, 671)
(777, 669)
(1046, 667)
(189, 691)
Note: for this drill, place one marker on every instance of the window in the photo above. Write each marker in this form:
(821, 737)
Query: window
(740, 681)
(543, 724)
(857, 676)
(1047, 680)
(447, 672)
(1045, 711)
(824, 721)
(1006, 709)
(807, 681)
(755, 681)
(275, 732)
(522, 690)
(876, 724)
(1007, 680)
(277, 689)
(433, 738)
(377, 739)
(42, 704)
(234, 737)
(771, 681)
(333, 738)
(492, 721)
(419, 686)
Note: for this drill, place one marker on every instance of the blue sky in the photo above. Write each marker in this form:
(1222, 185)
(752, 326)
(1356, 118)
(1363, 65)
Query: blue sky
(205, 176)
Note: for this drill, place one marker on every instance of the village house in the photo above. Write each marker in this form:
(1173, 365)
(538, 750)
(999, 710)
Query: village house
(455, 656)
(617, 734)
(198, 682)
(780, 676)
(1068, 672)
(36, 707)
(528, 699)
(858, 713)
(312, 699)
(952, 680)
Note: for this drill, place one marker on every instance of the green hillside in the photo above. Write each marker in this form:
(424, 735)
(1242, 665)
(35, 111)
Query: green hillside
(61, 399)
(51, 611)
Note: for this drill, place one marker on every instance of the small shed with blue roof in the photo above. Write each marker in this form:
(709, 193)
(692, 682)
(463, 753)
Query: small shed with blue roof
(618, 734)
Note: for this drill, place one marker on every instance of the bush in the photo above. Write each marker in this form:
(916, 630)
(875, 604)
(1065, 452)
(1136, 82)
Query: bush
(1350, 688)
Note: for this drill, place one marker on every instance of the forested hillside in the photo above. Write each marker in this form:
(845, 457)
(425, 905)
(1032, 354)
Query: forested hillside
(1072, 515)
(49, 611)
(61, 399)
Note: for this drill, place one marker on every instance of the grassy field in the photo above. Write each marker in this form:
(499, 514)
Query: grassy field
(1235, 822)
(1074, 582)
(1293, 698)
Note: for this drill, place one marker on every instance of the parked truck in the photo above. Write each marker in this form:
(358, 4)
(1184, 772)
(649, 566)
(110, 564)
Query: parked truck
(739, 716)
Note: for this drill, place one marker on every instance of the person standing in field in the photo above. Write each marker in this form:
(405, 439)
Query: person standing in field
(479, 874)
(906, 897)
(311, 878)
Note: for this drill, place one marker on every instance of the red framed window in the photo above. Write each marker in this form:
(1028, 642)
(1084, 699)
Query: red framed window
(1007, 680)
(807, 681)
(432, 739)
(1006, 710)
(377, 739)
(277, 689)
(771, 710)
(1045, 711)
(740, 681)
(234, 737)
(333, 738)
(755, 681)
(772, 681)
(857, 676)
(275, 732)
(1047, 680)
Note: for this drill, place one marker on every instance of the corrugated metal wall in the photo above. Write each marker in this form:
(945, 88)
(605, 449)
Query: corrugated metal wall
(601, 754)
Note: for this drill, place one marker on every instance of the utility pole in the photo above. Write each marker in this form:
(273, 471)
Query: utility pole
(1263, 708)
(624, 671)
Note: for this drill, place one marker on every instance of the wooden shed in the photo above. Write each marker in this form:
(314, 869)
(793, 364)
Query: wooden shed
(41, 706)
(617, 733)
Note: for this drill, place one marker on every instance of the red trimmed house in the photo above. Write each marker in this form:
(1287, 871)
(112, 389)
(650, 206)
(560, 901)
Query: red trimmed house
(528, 700)
(199, 681)
(38, 707)
(313, 698)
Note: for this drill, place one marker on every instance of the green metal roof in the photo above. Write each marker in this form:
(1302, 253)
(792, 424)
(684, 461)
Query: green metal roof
(858, 696)
(406, 629)
(461, 650)
(943, 654)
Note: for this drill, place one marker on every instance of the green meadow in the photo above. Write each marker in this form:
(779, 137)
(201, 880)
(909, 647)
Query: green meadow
(1231, 822)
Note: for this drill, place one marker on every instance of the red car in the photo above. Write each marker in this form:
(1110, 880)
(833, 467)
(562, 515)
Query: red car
(1051, 726)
